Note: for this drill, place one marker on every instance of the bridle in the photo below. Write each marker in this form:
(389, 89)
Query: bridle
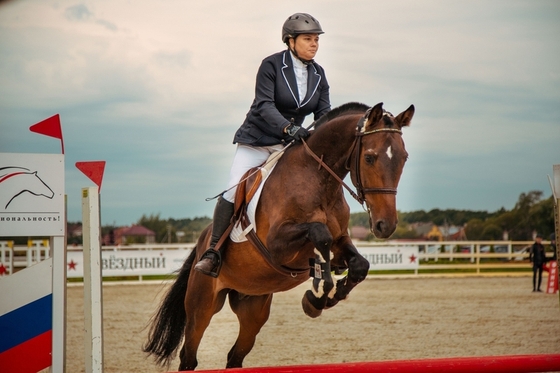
(361, 191)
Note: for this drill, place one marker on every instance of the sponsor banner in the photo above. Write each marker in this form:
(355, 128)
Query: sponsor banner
(130, 262)
(31, 194)
(390, 258)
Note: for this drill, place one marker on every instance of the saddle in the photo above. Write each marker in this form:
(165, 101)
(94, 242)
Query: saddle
(248, 189)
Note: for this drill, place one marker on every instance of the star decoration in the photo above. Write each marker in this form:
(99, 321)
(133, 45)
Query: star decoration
(412, 258)
(72, 265)
(3, 270)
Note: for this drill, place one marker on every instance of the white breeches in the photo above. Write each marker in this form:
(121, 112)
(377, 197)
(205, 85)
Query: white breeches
(246, 157)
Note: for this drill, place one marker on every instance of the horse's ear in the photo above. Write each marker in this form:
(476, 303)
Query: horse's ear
(404, 118)
(375, 115)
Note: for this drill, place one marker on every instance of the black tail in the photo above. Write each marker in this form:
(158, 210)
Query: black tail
(168, 324)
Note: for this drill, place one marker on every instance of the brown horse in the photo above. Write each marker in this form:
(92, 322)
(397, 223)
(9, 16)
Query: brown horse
(302, 215)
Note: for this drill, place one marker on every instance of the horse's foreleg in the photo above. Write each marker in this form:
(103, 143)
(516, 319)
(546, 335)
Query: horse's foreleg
(315, 300)
(358, 268)
(252, 313)
(201, 303)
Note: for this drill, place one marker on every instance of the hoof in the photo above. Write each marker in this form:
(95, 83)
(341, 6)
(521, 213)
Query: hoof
(309, 309)
(331, 302)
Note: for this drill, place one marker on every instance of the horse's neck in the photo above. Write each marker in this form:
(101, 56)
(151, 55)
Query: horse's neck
(334, 148)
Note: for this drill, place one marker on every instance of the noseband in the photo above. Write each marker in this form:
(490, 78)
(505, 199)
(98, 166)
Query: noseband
(361, 191)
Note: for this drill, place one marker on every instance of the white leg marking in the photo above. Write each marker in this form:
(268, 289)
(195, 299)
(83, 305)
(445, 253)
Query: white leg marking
(333, 291)
(320, 290)
(319, 255)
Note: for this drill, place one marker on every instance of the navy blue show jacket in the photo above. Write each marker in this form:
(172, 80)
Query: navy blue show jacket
(277, 102)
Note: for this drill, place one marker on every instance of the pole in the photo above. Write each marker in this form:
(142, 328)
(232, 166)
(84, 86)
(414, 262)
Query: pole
(93, 292)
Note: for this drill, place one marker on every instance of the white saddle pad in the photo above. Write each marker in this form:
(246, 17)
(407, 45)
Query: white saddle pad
(237, 233)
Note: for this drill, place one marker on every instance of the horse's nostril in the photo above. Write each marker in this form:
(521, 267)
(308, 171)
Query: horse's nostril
(379, 225)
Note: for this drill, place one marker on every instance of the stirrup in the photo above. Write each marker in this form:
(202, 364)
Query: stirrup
(210, 263)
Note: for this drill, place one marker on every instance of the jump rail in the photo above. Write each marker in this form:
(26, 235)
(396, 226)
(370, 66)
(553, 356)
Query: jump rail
(482, 364)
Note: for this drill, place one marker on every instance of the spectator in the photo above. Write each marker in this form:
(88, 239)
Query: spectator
(537, 256)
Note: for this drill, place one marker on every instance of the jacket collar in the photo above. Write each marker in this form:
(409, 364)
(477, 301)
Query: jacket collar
(313, 79)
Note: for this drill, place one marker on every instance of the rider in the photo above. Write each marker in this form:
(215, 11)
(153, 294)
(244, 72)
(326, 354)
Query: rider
(290, 85)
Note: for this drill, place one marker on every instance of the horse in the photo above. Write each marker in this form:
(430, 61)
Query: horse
(301, 217)
(15, 181)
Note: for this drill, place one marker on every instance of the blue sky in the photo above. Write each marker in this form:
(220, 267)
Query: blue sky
(157, 90)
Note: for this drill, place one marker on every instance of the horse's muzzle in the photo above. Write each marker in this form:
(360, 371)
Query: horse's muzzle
(381, 228)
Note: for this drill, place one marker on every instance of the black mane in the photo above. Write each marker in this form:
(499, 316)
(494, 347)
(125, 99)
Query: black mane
(341, 110)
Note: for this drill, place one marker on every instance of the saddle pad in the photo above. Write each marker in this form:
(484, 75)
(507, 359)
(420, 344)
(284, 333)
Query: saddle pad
(237, 233)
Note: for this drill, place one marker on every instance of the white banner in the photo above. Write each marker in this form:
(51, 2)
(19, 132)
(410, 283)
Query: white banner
(390, 258)
(31, 194)
(130, 262)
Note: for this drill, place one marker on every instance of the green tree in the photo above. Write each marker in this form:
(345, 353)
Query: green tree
(154, 223)
(491, 232)
(474, 229)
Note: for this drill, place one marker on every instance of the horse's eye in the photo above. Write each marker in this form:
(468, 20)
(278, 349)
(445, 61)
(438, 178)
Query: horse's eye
(369, 158)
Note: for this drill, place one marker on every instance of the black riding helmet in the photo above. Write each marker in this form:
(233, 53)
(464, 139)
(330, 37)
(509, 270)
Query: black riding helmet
(300, 23)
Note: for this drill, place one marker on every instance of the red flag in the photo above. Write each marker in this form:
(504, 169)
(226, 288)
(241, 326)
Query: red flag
(94, 170)
(49, 127)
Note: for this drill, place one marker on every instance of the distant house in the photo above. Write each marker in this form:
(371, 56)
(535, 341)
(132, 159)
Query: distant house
(359, 233)
(128, 235)
(455, 233)
(74, 230)
(427, 231)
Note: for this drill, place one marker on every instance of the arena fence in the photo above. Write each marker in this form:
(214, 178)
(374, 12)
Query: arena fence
(483, 364)
(147, 259)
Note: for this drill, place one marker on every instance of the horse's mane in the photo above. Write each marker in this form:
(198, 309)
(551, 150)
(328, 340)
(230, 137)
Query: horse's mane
(341, 110)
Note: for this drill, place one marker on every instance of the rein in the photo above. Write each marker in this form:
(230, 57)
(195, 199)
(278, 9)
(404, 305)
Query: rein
(361, 191)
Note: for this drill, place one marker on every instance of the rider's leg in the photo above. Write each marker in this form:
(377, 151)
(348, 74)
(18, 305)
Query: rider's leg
(211, 260)
(246, 157)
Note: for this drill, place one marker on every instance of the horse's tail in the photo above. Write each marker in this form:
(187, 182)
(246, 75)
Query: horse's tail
(168, 324)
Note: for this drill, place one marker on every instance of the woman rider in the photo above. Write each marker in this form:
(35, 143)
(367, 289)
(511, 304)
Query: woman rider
(290, 85)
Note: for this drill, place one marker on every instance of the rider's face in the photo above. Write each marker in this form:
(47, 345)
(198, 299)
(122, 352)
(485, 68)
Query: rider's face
(306, 45)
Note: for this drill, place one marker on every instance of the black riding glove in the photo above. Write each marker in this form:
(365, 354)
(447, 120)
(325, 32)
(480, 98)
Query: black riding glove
(298, 133)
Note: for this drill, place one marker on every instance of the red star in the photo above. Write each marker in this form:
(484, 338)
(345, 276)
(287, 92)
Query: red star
(3, 270)
(412, 258)
(72, 265)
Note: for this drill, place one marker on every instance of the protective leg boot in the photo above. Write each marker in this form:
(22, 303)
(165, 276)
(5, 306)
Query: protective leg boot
(211, 261)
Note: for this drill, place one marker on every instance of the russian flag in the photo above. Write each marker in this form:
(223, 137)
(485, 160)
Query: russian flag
(26, 319)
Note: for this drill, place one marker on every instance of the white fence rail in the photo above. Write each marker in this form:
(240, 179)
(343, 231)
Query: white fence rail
(160, 259)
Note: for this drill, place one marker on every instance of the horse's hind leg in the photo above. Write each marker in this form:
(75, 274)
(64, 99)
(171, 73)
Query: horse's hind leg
(358, 267)
(201, 303)
(252, 313)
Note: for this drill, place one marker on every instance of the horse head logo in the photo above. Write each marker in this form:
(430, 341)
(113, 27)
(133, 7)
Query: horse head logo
(19, 181)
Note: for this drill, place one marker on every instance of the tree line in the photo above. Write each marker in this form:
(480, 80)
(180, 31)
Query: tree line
(530, 214)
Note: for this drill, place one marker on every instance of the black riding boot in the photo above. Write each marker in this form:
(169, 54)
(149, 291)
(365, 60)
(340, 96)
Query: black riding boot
(211, 261)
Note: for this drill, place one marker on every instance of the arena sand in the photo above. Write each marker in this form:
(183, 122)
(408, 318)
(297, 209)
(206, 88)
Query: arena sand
(383, 319)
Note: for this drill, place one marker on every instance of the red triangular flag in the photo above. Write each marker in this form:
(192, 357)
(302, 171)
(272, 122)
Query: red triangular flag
(94, 170)
(49, 127)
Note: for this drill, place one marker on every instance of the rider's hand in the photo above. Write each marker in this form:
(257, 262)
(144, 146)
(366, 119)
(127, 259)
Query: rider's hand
(297, 132)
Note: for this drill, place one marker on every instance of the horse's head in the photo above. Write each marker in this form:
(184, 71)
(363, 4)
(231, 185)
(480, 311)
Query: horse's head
(379, 158)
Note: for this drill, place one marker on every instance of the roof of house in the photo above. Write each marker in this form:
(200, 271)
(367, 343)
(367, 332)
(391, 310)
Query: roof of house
(137, 230)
